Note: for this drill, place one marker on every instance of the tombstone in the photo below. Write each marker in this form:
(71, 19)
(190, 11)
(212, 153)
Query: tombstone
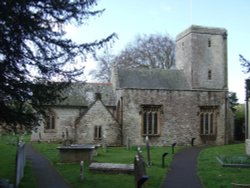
(104, 147)
(40, 137)
(140, 170)
(173, 145)
(67, 134)
(81, 171)
(128, 143)
(63, 135)
(148, 152)
(163, 159)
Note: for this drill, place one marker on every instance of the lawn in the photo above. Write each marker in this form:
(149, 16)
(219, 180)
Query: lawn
(214, 175)
(7, 162)
(7, 157)
(209, 169)
(113, 154)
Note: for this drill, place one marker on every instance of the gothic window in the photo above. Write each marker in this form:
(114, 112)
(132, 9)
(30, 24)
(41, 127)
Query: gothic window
(50, 120)
(208, 120)
(150, 119)
(209, 76)
(98, 132)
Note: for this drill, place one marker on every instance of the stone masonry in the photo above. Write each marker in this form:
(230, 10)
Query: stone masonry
(176, 105)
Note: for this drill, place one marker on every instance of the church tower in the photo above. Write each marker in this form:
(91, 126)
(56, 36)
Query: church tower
(201, 52)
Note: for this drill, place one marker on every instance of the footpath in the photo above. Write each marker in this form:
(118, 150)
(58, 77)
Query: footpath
(46, 175)
(183, 173)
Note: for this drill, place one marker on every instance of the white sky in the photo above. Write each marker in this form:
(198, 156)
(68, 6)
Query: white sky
(131, 17)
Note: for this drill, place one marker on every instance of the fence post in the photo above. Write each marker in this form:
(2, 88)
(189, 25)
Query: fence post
(173, 145)
(163, 159)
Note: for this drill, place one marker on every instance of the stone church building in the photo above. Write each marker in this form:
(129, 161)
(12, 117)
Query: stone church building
(168, 106)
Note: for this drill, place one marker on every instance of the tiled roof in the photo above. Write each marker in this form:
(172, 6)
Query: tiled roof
(83, 94)
(142, 78)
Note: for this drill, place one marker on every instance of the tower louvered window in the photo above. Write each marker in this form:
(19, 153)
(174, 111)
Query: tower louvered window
(209, 42)
(209, 76)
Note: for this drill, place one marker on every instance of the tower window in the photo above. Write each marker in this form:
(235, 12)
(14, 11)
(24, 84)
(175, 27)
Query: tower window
(209, 75)
(209, 43)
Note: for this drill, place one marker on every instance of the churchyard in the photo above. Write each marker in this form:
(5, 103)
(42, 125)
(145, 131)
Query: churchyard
(209, 169)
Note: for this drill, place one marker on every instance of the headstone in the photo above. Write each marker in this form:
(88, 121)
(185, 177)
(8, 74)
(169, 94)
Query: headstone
(149, 163)
(67, 134)
(128, 143)
(81, 170)
(63, 135)
(248, 147)
(140, 171)
(40, 136)
(104, 147)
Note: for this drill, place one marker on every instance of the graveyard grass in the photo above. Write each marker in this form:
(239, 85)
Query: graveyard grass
(7, 162)
(209, 169)
(71, 172)
(214, 175)
(7, 158)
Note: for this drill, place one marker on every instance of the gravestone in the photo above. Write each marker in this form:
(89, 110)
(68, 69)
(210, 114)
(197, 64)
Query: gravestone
(128, 143)
(248, 147)
(140, 170)
(76, 153)
(81, 171)
(149, 163)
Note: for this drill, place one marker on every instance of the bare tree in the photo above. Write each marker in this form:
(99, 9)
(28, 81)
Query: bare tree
(150, 51)
(103, 71)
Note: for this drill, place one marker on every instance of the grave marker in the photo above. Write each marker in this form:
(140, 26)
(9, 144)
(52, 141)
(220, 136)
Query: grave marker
(81, 170)
(149, 163)
(140, 171)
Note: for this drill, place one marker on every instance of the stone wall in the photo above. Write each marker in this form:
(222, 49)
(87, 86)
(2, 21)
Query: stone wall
(98, 115)
(203, 49)
(179, 120)
(64, 122)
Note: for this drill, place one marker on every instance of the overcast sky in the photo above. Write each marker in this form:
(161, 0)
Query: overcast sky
(129, 18)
